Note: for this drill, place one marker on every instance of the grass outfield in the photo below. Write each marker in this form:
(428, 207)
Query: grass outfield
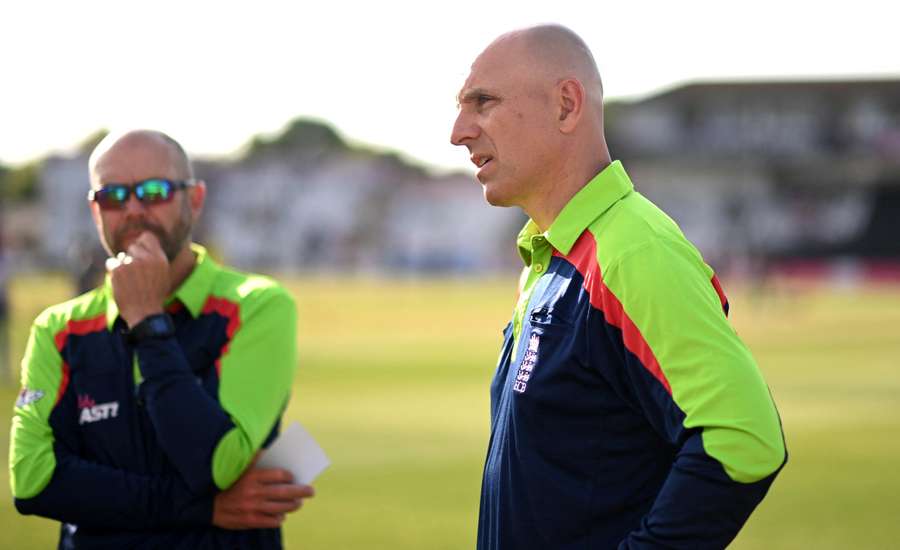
(393, 382)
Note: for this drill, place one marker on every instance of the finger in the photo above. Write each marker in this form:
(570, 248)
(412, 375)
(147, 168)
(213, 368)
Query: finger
(265, 521)
(270, 476)
(280, 507)
(148, 240)
(144, 255)
(288, 492)
(139, 249)
(146, 246)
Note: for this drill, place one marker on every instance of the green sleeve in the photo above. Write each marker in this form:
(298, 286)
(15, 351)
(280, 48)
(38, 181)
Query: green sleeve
(31, 458)
(256, 374)
(665, 289)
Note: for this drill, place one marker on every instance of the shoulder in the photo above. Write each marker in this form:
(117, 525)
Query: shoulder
(86, 308)
(635, 227)
(249, 291)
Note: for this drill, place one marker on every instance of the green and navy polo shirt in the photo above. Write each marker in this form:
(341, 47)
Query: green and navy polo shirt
(127, 445)
(625, 410)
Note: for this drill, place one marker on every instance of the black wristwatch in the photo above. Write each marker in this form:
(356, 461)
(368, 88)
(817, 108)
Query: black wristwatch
(152, 327)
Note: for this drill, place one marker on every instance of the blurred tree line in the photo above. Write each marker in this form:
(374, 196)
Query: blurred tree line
(19, 183)
(22, 183)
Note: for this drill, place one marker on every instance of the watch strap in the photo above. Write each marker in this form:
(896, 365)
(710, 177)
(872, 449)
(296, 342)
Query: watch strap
(152, 327)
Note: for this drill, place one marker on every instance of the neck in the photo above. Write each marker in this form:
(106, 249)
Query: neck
(181, 267)
(559, 190)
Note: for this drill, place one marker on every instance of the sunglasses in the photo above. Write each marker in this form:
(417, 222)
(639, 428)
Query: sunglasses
(150, 191)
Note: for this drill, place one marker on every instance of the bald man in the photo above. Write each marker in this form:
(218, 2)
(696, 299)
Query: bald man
(625, 411)
(144, 402)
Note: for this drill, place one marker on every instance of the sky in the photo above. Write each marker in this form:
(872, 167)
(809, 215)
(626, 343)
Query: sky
(214, 74)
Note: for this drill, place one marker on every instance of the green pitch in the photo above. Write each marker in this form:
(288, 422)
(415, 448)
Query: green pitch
(393, 382)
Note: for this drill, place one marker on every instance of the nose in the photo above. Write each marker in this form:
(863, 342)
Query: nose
(464, 129)
(133, 205)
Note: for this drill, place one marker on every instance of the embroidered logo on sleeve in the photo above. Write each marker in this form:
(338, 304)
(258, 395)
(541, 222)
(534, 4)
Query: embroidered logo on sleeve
(528, 362)
(93, 412)
(27, 397)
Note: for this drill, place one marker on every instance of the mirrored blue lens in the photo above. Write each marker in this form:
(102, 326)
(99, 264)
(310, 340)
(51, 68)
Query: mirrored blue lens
(153, 190)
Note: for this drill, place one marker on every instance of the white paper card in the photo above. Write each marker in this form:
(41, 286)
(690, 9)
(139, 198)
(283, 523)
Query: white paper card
(297, 452)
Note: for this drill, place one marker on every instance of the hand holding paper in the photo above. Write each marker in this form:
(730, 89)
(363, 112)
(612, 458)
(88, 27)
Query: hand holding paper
(296, 451)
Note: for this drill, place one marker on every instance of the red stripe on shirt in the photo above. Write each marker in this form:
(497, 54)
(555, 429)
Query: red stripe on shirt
(721, 293)
(229, 310)
(63, 384)
(584, 257)
(78, 328)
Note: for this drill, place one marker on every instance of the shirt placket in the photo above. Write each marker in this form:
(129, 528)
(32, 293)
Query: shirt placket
(541, 252)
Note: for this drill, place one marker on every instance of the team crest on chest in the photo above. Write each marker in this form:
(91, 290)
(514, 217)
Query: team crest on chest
(528, 362)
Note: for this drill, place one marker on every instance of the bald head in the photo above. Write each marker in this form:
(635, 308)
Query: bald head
(553, 53)
(531, 116)
(132, 158)
(138, 154)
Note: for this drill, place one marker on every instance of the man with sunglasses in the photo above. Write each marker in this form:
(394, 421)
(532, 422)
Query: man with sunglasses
(144, 402)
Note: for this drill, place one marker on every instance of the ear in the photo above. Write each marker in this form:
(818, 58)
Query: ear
(198, 198)
(95, 214)
(571, 104)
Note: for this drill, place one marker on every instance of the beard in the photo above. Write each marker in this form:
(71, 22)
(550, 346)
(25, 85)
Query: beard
(171, 242)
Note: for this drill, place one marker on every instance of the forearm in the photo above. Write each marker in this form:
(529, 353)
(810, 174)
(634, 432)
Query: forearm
(189, 423)
(699, 506)
(90, 494)
(212, 439)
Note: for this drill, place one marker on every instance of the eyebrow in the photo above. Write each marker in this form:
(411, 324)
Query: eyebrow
(471, 95)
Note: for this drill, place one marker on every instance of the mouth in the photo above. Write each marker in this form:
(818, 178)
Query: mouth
(481, 161)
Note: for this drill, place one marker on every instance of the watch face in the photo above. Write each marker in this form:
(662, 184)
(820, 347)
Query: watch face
(155, 326)
(159, 325)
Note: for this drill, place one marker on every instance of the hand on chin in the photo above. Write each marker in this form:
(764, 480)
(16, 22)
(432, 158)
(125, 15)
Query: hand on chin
(140, 278)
